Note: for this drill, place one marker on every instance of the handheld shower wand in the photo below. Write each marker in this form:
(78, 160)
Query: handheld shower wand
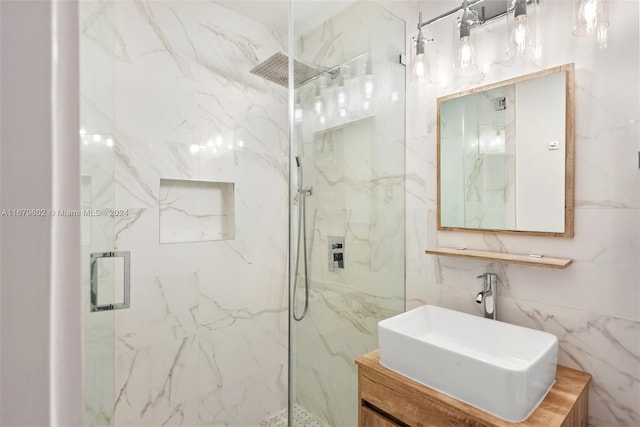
(302, 235)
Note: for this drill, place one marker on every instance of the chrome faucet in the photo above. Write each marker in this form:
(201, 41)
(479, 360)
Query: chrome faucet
(488, 294)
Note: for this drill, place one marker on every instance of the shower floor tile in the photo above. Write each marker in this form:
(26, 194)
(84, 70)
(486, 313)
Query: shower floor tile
(301, 418)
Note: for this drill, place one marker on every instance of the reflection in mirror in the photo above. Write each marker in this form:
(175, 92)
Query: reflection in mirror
(505, 156)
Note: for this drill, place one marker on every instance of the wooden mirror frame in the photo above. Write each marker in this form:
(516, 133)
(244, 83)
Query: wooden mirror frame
(569, 151)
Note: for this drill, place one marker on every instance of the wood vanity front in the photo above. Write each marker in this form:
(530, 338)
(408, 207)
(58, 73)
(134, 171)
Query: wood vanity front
(388, 399)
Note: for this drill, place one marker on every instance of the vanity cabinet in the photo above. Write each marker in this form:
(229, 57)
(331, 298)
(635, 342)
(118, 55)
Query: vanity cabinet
(386, 399)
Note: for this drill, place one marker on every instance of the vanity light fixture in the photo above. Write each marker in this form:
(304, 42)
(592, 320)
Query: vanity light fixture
(466, 52)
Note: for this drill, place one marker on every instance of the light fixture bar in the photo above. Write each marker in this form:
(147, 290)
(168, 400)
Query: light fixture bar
(447, 14)
(469, 4)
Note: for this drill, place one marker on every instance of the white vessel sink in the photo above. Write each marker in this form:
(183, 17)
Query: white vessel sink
(503, 369)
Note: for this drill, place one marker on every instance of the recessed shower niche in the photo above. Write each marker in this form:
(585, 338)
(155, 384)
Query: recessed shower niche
(196, 211)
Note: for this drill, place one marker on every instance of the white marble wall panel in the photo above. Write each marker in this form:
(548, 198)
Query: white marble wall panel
(593, 305)
(154, 106)
(158, 385)
(228, 46)
(159, 36)
(245, 401)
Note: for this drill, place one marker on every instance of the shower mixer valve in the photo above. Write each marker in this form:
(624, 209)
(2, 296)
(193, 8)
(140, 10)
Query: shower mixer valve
(336, 252)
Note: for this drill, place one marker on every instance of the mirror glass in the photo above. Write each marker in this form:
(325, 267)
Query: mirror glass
(505, 156)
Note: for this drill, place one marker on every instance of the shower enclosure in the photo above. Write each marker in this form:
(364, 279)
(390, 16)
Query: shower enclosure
(190, 210)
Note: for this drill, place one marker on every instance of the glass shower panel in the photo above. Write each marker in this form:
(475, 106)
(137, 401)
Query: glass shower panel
(349, 137)
(97, 183)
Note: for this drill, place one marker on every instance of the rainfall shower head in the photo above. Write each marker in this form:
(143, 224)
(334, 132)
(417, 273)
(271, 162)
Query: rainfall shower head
(276, 70)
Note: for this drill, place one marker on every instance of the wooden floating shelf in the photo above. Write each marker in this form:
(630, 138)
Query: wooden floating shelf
(543, 261)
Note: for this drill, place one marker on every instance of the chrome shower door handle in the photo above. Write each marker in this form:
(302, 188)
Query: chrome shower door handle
(95, 256)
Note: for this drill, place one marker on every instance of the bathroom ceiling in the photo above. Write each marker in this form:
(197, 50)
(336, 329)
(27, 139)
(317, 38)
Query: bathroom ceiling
(274, 13)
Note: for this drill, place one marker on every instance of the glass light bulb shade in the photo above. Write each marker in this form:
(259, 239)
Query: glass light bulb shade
(466, 54)
(420, 67)
(589, 14)
(520, 39)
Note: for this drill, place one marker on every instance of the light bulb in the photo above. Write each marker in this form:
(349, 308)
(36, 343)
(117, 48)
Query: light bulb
(589, 13)
(420, 66)
(466, 61)
(466, 54)
(420, 60)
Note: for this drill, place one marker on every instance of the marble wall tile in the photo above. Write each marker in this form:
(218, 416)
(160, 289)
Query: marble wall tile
(229, 45)
(155, 106)
(162, 308)
(142, 162)
(159, 36)
(247, 401)
(158, 385)
(247, 345)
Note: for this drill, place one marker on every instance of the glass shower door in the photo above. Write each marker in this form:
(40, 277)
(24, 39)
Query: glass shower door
(102, 272)
(348, 143)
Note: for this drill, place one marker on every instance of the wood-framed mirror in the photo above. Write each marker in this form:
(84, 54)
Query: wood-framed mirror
(506, 156)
